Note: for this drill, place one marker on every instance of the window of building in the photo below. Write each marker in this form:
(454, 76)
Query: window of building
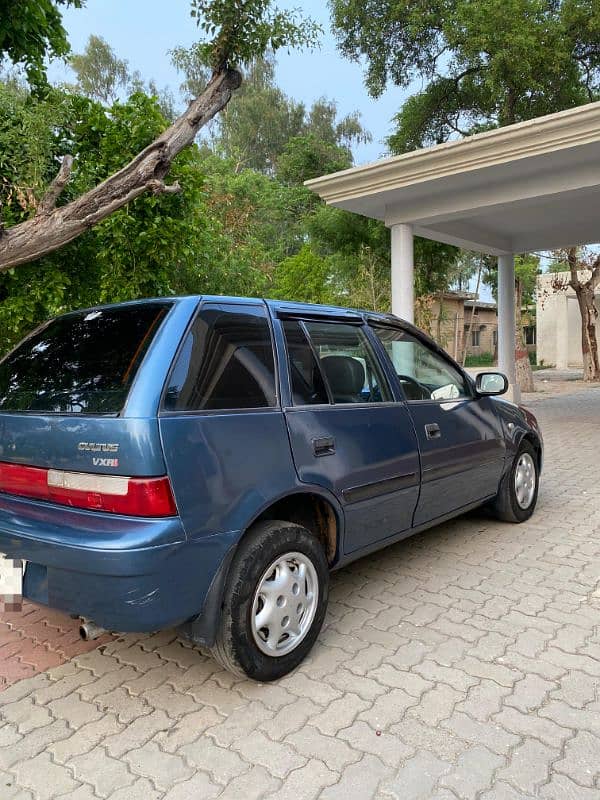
(226, 362)
(529, 333)
(475, 338)
(495, 337)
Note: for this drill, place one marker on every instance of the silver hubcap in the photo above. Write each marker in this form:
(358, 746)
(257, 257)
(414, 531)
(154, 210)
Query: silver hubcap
(525, 478)
(285, 603)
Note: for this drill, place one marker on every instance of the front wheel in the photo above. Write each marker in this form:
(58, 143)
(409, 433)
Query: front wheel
(275, 601)
(517, 497)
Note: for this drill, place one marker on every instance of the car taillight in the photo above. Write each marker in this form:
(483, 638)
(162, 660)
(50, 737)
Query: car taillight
(136, 497)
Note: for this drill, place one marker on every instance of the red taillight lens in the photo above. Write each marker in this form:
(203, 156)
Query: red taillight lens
(136, 497)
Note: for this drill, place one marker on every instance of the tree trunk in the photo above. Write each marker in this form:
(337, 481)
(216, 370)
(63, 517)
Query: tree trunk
(585, 292)
(475, 299)
(52, 227)
(589, 343)
(524, 373)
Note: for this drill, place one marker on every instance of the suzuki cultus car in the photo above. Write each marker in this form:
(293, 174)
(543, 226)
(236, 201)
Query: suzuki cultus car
(205, 462)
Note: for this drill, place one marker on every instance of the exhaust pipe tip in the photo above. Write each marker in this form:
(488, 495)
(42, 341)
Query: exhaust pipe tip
(88, 630)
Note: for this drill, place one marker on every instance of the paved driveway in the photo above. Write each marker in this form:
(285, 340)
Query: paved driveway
(463, 663)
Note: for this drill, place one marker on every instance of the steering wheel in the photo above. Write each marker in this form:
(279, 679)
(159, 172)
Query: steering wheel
(422, 392)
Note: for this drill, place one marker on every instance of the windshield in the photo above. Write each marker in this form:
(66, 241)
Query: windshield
(82, 363)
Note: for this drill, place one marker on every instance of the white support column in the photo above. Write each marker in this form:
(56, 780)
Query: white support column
(403, 284)
(506, 322)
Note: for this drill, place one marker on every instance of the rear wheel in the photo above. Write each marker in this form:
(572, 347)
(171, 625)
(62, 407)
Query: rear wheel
(275, 601)
(517, 497)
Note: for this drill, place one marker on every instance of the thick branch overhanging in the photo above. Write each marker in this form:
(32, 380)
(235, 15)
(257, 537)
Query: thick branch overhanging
(52, 227)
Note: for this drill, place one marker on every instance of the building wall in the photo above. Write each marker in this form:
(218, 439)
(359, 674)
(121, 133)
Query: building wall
(451, 327)
(486, 321)
(447, 326)
(559, 324)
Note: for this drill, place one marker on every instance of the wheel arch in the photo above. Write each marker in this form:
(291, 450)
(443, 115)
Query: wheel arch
(311, 509)
(534, 441)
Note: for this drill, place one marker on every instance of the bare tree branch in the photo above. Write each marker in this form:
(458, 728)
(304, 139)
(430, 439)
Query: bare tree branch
(54, 227)
(595, 277)
(572, 260)
(56, 188)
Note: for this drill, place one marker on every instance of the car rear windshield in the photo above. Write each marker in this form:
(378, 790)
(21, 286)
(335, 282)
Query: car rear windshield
(82, 363)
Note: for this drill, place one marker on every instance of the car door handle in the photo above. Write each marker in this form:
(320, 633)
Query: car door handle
(324, 446)
(432, 431)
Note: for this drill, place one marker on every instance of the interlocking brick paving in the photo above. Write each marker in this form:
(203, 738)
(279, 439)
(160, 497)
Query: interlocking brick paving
(36, 639)
(463, 663)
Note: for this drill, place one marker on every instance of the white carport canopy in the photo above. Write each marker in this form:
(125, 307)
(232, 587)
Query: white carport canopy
(531, 186)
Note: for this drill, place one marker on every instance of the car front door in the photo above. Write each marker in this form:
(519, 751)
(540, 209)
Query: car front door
(347, 433)
(459, 433)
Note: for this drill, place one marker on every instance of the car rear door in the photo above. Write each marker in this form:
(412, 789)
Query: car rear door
(347, 432)
(459, 434)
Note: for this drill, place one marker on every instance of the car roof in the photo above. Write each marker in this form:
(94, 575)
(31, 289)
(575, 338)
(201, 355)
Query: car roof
(276, 305)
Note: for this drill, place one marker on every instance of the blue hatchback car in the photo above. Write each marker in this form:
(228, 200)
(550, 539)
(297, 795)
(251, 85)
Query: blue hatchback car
(204, 462)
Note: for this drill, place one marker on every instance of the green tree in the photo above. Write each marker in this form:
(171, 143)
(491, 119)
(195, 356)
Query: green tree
(31, 31)
(305, 277)
(362, 250)
(100, 73)
(262, 125)
(157, 245)
(233, 35)
(259, 122)
(485, 64)
(527, 268)
(308, 156)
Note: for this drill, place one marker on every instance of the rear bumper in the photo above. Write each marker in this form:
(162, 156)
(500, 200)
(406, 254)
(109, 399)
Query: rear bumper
(126, 574)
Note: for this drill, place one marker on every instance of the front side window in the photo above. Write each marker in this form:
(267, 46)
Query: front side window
(226, 362)
(423, 373)
(81, 363)
(347, 363)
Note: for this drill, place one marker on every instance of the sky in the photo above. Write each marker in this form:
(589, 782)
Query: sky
(143, 31)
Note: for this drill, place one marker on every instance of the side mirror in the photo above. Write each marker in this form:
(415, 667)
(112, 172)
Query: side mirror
(491, 383)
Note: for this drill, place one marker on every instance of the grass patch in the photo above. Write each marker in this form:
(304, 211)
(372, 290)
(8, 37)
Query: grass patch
(481, 360)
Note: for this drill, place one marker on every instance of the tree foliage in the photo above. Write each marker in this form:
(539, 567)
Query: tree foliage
(235, 32)
(238, 31)
(484, 64)
(100, 73)
(264, 129)
(31, 31)
(157, 245)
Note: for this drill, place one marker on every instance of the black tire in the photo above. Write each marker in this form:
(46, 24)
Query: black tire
(506, 506)
(235, 646)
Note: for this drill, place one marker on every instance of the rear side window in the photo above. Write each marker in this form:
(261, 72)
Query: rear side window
(308, 387)
(226, 363)
(81, 363)
(349, 365)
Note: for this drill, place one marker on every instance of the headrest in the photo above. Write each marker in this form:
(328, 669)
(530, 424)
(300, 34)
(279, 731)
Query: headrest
(346, 375)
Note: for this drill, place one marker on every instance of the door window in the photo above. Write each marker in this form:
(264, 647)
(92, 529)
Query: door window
(423, 373)
(226, 362)
(347, 363)
(308, 387)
